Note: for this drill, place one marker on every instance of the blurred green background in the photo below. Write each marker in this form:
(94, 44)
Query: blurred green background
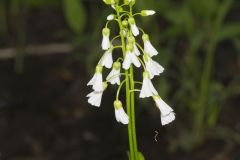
(48, 52)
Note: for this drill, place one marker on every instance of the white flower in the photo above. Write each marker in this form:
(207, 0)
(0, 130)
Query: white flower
(114, 75)
(131, 40)
(107, 59)
(133, 26)
(96, 81)
(95, 97)
(147, 12)
(130, 58)
(152, 66)
(148, 89)
(120, 114)
(105, 41)
(148, 48)
(167, 114)
(110, 17)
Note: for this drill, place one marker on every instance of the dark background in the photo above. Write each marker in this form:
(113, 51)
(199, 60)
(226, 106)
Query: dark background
(48, 52)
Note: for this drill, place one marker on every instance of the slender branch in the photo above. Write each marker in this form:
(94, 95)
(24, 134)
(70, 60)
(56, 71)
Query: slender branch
(135, 90)
(119, 89)
(39, 50)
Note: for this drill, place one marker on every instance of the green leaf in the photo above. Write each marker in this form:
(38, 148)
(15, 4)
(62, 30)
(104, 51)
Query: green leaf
(140, 156)
(75, 15)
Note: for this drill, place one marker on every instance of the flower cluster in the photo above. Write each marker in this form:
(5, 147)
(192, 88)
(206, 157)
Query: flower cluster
(133, 55)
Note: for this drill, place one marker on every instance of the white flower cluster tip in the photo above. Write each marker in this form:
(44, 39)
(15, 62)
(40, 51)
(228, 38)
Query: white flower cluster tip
(133, 55)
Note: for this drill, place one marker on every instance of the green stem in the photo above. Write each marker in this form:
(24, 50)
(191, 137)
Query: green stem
(128, 96)
(133, 112)
(132, 95)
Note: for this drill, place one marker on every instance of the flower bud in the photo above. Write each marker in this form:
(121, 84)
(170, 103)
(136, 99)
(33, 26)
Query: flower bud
(147, 12)
(130, 47)
(146, 74)
(131, 39)
(145, 58)
(105, 85)
(110, 17)
(116, 65)
(117, 104)
(131, 21)
(125, 23)
(99, 69)
(106, 31)
(145, 37)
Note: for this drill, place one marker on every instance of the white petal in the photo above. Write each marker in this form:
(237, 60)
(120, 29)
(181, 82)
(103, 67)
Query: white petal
(136, 50)
(157, 67)
(134, 60)
(98, 85)
(148, 89)
(145, 91)
(153, 68)
(105, 43)
(92, 81)
(114, 76)
(127, 61)
(149, 49)
(107, 59)
(121, 116)
(153, 90)
(134, 29)
(95, 98)
(163, 107)
(167, 114)
(166, 119)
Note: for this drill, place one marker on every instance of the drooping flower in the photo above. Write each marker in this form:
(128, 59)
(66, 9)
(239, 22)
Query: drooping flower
(120, 114)
(107, 59)
(96, 81)
(147, 12)
(131, 40)
(130, 58)
(105, 41)
(114, 75)
(148, 89)
(148, 47)
(167, 114)
(133, 26)
(152, 66)
(95, 97)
